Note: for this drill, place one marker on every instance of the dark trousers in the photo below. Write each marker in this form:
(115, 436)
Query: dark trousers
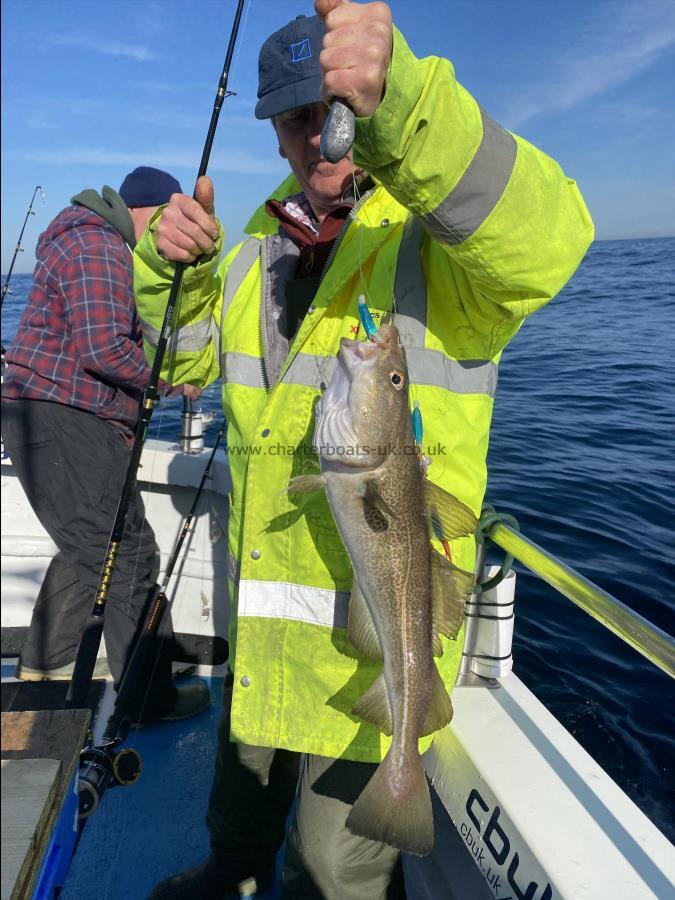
(72, 466)
(252, 794)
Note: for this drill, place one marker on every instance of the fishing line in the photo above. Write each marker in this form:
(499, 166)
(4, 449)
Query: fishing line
(148, 497)
(237, 57)
(416, 413)
(133, 741)
(357, 200)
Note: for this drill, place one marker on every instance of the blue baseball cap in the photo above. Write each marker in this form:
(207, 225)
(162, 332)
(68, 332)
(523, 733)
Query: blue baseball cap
(289, 73)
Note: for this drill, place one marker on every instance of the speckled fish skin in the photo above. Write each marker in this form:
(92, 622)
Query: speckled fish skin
(376, 496)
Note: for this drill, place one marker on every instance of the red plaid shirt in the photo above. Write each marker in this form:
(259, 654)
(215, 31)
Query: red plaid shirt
(79, 340)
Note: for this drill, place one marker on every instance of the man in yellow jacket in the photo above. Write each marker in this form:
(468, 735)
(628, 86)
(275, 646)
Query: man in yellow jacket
(462, 229)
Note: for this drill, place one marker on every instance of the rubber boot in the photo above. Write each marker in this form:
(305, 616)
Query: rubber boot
(217, 878)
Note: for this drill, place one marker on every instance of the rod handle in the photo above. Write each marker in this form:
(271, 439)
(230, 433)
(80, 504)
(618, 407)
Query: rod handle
(338, 131)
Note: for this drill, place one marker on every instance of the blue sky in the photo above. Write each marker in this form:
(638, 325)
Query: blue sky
(93, 88)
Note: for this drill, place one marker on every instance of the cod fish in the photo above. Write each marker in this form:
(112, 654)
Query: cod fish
(404, 593)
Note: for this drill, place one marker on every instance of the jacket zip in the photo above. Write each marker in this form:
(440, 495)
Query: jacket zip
(338, 240)
(263, 282)
(263, 314)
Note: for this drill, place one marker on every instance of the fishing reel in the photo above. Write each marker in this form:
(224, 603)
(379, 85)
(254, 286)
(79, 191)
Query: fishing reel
(103, 767)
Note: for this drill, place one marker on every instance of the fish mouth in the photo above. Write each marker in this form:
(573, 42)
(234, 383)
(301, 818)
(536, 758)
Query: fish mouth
(335, 436)
(353, 354)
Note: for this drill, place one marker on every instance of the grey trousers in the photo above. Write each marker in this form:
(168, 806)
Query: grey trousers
(251, 800)
(323, 859)
(72, 466)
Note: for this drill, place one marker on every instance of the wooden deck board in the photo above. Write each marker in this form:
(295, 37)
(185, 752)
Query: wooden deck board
(40, 752)
(30, 802)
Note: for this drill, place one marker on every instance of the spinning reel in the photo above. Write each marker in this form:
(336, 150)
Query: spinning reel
(103, 767)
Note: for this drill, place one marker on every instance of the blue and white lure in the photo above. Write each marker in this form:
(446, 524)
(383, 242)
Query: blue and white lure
(369, 325)
(418, 433)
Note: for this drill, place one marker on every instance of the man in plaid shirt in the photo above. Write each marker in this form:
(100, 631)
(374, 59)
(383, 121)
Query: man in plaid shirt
(75, 374)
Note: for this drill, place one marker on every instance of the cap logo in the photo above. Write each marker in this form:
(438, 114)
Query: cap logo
(301, 50)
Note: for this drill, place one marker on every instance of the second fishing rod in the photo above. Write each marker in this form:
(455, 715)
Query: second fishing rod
(91, 637)
(18, 249)
(139, 668)
(104, 765)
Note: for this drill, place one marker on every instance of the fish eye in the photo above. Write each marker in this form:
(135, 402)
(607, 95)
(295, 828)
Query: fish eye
(396, 379)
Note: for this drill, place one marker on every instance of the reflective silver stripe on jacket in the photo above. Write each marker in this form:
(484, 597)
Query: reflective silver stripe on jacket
(236, 273)
(430, 367)
(188, 337)
(307, 369)
(300, 602)
(479, 189)
(461, 376)
(313, 371)
(240, 368)
(410, 287)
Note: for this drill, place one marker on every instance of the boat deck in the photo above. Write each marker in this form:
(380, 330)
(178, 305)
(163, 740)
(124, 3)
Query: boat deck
(152, 829)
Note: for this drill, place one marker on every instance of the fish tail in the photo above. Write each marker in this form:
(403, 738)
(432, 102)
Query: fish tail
(395, 806)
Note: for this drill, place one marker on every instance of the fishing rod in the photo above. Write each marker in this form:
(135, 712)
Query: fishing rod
(91, 637)
(18, 249)
(120, 721)
(105, 766)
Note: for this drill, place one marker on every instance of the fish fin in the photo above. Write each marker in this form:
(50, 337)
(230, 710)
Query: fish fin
(440, 706)
(450, 588)
(360, 628)
(370, 491)
(449, 516)
(305, 484)
(402, 818)
(373, 706)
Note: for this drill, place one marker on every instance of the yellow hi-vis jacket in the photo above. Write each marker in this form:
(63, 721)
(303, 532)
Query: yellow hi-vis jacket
(468, 230)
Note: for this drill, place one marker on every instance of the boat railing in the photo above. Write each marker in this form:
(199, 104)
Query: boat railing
(636, 631)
